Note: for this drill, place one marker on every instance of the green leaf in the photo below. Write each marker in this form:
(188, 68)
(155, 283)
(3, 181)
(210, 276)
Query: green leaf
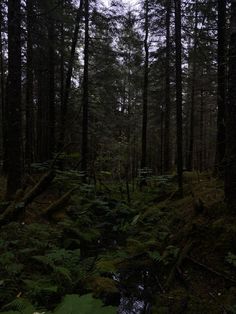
(19, 306)
(7, 258)
(135, 220)
(155, 256)
(86, 304)
(11, 312)
(63, 272)
(40, 287)
(14, 268)
(231, 259)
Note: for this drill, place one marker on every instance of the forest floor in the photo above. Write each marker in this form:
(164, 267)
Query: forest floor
(156, 253)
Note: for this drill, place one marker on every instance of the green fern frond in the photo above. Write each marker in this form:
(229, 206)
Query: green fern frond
(14, 268)
(12, 312)
(6, 258)
(63, 272)
(100, 285)
(19, 306)
(155, 256)
(231, 259)
(136, 246)
(86, 304)
(40, 287)
(44, 260)
(106, 265)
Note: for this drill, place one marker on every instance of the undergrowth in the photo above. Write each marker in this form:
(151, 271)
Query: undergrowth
(104, 247)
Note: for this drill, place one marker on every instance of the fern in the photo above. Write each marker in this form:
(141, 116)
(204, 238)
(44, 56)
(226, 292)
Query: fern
(14, 268)
(44, 260)
(40, 287)
(107, 265)
(68, 179)
(232, 309)
(231, 259)
(19, 306)
(86, 304)
(62, 263)
(7, 258)
(71, 304)
(155, 256)
(170, 254)
(102, 285)
(13, 312)
(63, 273)
(138, 246)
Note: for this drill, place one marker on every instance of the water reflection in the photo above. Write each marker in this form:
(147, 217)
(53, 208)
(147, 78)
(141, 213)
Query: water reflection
(134, 297)
(133, 306)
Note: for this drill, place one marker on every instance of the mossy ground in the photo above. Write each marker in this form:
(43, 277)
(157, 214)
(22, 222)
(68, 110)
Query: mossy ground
(200, 288)
(124, 246)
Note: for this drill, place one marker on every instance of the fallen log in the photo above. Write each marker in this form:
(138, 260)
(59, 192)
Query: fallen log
(182, 255)
(211, 270)
(57, 205)
(17, 207)
(39, 188)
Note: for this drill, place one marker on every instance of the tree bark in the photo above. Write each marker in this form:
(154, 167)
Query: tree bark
(14, 137)
(230, 178)
(51, 85)
(64, 106)
(179, 97)
(85, 99)
(162, 142)
(193, 92)
(167, 152)
(29, 137)
(201, 159)
(221, 89)
(17, 207)
(62, 60)
(2, 85)
(145, 87)
(42, 107)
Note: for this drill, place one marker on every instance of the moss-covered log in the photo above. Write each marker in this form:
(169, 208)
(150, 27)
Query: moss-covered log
(17, 207)
(58, 205)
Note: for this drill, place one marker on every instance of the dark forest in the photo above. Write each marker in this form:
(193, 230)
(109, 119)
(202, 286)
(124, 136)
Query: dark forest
(117, 157)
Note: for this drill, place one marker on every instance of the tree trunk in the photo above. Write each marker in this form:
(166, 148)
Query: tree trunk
(62, 60)
(85, 100)
(145, 88)
(2, 85)
(221, 90)
(193, 87)
(230, 178)
(40, 100)
(179, 96)
(201, 161)
(162, 143)
(64, 106)
(14, 136)
(42, 110)
(29, 137)
(167, 155)
(51, 85)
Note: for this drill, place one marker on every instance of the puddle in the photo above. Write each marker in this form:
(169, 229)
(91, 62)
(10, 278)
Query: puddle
(135, 297)
(133, 306)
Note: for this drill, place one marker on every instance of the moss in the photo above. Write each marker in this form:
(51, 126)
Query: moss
(173, 302)
(101, 285)
(180, 301)
(231, 297)
(198, 305)
(106, 265)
